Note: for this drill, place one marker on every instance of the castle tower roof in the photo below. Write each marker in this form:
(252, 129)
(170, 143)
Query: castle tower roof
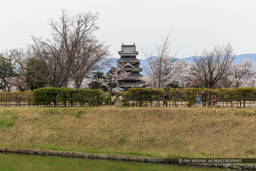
(129, 63)
(128, 49)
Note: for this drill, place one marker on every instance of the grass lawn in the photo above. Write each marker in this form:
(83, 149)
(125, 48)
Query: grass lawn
(153, 132)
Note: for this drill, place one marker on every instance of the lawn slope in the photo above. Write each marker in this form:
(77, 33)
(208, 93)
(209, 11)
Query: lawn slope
(156, 132)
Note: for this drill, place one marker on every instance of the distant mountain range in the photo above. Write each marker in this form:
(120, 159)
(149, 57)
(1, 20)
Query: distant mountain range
(238, 59)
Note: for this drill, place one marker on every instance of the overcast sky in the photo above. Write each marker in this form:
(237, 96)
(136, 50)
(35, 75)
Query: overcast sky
(195, 24)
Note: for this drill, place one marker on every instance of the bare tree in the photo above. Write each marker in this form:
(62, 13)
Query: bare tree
(18, 58)
(212, 68)
(92, 59)
(72, 47)
(159, 69)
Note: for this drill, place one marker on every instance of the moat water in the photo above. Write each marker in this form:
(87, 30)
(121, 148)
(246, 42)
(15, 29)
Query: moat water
(16, 162)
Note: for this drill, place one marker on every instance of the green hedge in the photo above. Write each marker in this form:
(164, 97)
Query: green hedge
(51, 96)
(93, 97)
(67, 96)
(143, 95)
(46, 96)
(16, 98)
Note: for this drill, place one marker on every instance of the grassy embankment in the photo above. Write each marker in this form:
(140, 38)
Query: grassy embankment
(153, 132)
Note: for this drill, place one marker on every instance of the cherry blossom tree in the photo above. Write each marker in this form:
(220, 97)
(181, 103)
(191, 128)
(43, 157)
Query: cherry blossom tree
(252, 81)
(19, 82)
(242, 74)
(97, 81)
(181, 73)
(113, 76)
(160, 65)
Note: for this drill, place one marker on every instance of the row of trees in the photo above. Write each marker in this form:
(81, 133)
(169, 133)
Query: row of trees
(211, 69)
(70, 55)
(73, 53)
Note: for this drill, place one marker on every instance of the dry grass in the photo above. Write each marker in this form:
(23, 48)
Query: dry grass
(159, 132)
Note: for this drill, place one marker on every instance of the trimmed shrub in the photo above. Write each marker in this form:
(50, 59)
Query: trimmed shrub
(46, 96)
(141, 95)
(92, 97)
(190, 95)
(66, 96)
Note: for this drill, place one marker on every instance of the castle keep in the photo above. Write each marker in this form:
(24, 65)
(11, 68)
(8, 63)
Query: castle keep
(129, 63)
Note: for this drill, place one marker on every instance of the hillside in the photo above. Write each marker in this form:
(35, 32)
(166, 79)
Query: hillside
(157, 132)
